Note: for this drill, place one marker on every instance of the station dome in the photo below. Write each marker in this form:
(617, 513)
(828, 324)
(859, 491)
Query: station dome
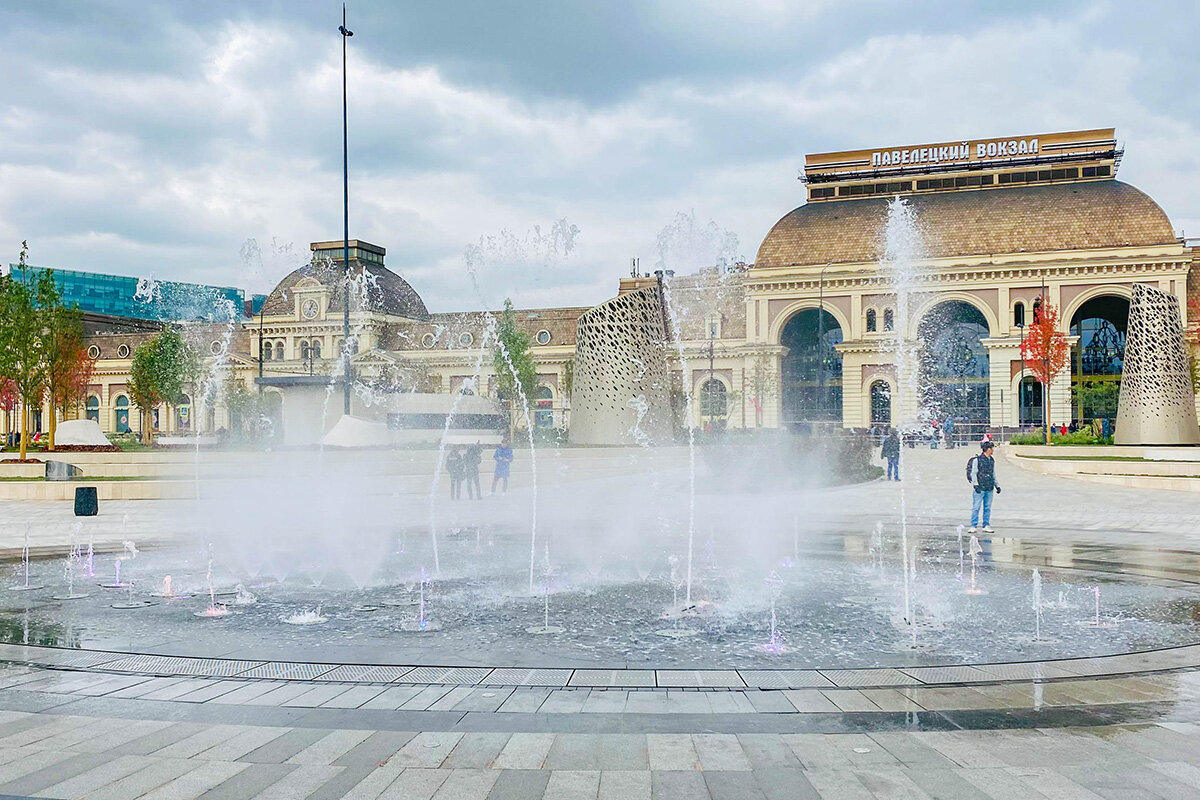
(387, 292)
(1066, 216)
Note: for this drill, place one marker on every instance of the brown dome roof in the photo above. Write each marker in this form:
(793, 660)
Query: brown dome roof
(1065, 216)
(387, 292)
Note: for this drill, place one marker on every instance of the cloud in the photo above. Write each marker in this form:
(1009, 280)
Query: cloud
(159, 148)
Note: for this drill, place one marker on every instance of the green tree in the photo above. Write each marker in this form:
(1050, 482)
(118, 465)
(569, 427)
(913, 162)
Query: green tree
(160, 370)
(22, 359)
(67, 365)
(516, 372)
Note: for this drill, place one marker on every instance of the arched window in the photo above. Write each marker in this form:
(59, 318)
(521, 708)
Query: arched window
(871, 321)
(889, 319)
(953, 366)
(315, 348)
(183, 413)
(544, 417)
(1098, 358)
(93, 408)
(1019, 315)
(268, 351)
(881, 403)
(1031, 401)
(304, 351)
(279, 354)
(811, 372)
(713, 398)
(121, 415)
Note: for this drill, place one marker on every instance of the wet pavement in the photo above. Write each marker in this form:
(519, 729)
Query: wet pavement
(74, 724)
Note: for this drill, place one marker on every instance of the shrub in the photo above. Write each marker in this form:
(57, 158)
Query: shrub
(1078, 437)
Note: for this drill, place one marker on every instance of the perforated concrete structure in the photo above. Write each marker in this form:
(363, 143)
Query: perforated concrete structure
(1157, 403)
(621, 392)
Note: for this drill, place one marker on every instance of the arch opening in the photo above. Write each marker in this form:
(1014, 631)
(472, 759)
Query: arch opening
(812, 368)
(1098, 357)
(953, 364)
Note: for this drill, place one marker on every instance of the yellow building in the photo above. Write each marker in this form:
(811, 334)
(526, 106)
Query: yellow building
(806, 336)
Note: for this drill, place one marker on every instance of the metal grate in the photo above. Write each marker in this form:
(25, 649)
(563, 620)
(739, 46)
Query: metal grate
(529, 677)
(466, 676)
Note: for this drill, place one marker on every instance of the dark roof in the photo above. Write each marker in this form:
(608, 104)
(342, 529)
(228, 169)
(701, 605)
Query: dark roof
(387, 292)
(1065, 216)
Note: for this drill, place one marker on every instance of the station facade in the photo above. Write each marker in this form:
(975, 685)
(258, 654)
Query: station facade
(808, 335)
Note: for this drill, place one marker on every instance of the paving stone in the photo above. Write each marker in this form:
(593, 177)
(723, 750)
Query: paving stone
(376, 749)
(605, 701)
(573, 752)
(572, 785)
(564, 701)
(425, 698)
(249, 783)
(476, 751)
(369, 787)
(196, 782)
(525, 701)
(212, 690)
(427, 750)
(678, 785)
(329, 748)
(301, 782)
(354, 697)
(769, 702)
(849, 700)
(137, 784)
(342, 783)
(317, 696)
(247, 692)
(415, 784)
(671, 752)
(767, 750)
(999, 784)
(720, 751)
(625, 785)
(785, 783)
(519, 784)
(839, 784)
(158, 739)
(483, 699)
(525, 751)
(280, 748)
(810, 701)
(467, 784)
(452, 698)
(279, 695)
(392, 698)
(908, 749)
(944, 784)
(52, 773)
(203, 739)
(726, 785)
(84, 783)
(245, 742)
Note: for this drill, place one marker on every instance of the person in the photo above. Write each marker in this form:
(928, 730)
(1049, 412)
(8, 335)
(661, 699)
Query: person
(1063, 430)
(503, 458)
(948, 429)
(981, 472)
(471, 462)
(455, 465)
(890, 449)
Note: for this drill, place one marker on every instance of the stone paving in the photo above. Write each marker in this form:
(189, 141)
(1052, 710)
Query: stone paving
(78, 725)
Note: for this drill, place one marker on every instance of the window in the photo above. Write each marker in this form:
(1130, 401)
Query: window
(268, 351)
(466, 339)
(544, 416)
(93, 408)
(279, 355)
(820, 191)
(215, 348)
(315, 348)
(881, 403)
(93, 352)
(121, 415)
(543, 337)
(1019, 315)
(304, 351)
(889, 320)
(123, 351)
(713, 398)
(428, 340)
(871, 320)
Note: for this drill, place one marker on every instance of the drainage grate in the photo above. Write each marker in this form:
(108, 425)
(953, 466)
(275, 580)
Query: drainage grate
(784, 678)
(466, 676)
(287, 670)
(360, 673)
(529, 677)
(620, 678)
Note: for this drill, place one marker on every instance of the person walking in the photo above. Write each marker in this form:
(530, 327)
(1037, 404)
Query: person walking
(454, 465)
(471, 462)
(981, 472)
(503, 458)
(948, 429)
(890, 449)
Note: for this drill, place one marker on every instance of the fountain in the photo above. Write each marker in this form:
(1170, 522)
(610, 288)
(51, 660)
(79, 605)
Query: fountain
(774, 588)
(26, 586)
(546, 628)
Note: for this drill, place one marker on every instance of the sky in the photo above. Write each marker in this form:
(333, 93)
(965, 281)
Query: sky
(529, 150)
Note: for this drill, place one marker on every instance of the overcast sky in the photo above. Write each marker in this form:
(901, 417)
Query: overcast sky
(152, 138)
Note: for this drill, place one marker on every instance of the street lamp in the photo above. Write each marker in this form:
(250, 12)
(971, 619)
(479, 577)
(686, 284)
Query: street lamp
(346, 34)
(821, 337)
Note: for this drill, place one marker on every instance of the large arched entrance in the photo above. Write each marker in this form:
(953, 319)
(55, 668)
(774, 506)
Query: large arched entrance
(812, 368)
(1098, 357)
(953, 368)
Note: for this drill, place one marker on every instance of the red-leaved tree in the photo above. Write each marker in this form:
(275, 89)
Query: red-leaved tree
(1046, 353)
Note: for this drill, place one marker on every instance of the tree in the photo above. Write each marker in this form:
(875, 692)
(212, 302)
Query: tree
(68, 368)
(22, 360)
(516, 372)
(1046, 353)
(160, 369)
(762, 384)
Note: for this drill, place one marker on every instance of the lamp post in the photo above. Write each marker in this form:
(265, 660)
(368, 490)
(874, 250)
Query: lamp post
(821, 336)
(346, 33)
(1021, 379)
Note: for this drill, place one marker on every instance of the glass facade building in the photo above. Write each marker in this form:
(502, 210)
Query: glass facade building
(141, 298)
